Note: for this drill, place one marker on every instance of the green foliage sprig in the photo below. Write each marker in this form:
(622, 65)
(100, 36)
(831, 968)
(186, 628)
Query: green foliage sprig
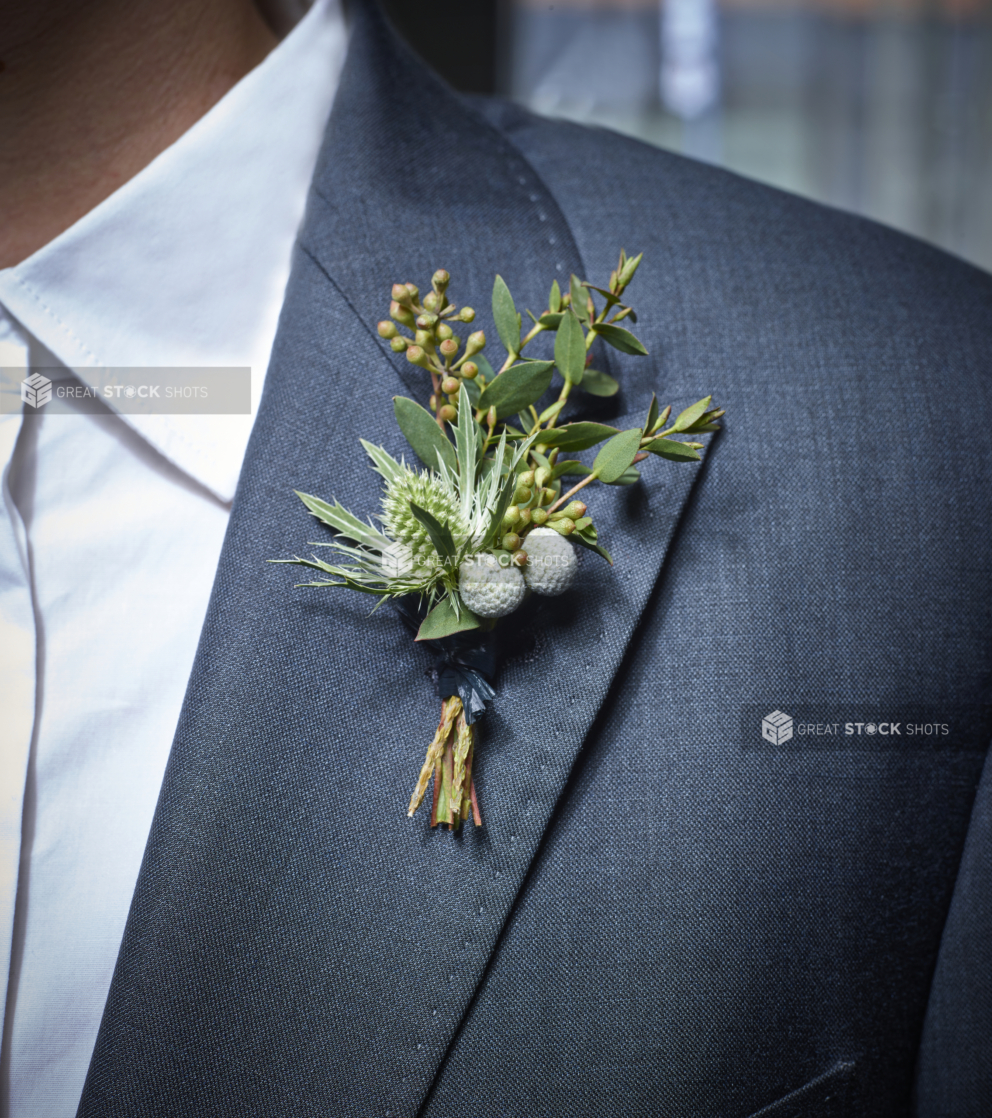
(496, 467)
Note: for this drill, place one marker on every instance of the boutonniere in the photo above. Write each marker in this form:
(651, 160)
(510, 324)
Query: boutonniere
(498, 510)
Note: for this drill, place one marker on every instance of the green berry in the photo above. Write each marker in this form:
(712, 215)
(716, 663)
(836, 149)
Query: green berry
(511, 542)
(450, 386)
(401, 313)
(449, 413)
(538, 517)
(573, 510)
(470, 370)
(399, 343)
(387, 329)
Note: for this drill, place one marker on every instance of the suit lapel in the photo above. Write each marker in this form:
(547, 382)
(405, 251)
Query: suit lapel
(295, 944)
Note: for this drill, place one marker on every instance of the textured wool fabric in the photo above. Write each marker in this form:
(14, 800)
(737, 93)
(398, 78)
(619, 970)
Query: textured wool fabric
(661, 913)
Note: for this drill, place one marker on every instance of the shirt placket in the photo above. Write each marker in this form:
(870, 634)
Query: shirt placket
(18, 658)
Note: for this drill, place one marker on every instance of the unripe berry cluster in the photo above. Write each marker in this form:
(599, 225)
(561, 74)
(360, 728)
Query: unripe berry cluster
(434, 345)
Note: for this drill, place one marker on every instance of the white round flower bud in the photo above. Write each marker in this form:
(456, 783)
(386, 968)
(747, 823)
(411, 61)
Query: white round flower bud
(488, 589)
(551, 561)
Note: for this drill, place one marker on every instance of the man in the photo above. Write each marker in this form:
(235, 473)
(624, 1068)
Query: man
(662, 914)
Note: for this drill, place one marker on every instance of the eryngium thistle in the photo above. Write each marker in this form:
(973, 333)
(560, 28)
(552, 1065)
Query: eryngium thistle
(428, 492)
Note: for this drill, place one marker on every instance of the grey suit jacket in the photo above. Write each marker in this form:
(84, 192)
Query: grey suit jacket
(664, 913)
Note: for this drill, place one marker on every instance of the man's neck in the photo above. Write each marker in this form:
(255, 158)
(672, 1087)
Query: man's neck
(90, 93)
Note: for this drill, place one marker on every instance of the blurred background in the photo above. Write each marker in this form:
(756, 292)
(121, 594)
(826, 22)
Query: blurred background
(883, 107)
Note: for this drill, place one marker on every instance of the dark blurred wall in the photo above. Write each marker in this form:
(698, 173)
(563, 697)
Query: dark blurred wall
(464, 42)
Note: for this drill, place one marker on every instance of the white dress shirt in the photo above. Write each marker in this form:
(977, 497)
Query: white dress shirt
(111, 528)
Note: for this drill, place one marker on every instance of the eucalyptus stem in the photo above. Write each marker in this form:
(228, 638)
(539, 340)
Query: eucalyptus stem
(566, 388)
(571, 493)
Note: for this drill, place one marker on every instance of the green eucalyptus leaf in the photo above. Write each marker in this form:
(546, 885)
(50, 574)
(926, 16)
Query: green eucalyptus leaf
(517, 387)
(599, 384)
(652, 418)
(580, 298)
(604, 291)
(485, 369)
(443, 621)
(552, 411)
(622, 313)
(589, 534)
(629, 268)
(473, 390)
(551, 321)
(439, 533)
(706, 422)
(570, 469)
(576, 436)
(694, 412)
(423, 434)
(506, 317)
(587, 539)
(583, 523)
(570, 348)
(628, 477)
(554, 299)
(617, 455)
(673, 450)
(621, 339)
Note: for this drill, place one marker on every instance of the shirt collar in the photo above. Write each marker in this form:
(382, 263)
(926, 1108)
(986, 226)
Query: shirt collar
(187, 263)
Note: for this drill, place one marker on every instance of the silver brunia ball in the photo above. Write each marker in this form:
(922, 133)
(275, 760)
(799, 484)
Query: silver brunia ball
(488, 589)
(551, 561)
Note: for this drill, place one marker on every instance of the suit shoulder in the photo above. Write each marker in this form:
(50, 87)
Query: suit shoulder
(588, 168)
